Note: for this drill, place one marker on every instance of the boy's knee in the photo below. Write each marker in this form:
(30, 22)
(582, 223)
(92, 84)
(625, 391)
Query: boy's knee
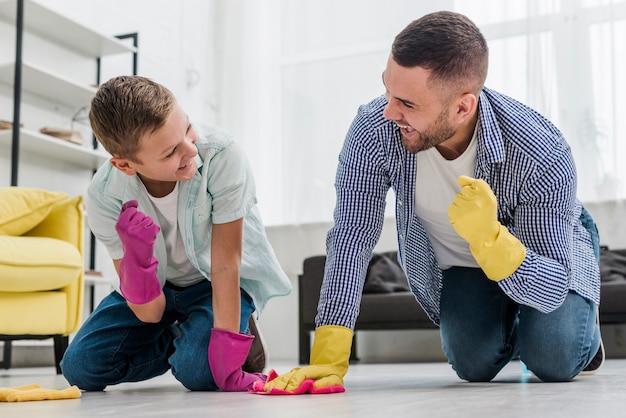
(194, 379)
(192, 370)
(74, 371)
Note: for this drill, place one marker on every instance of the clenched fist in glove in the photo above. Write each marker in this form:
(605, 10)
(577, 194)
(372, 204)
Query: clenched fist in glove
(474, 216)
(139, 283)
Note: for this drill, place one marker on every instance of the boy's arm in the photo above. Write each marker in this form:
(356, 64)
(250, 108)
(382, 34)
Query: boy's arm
(226, 248)
(228, 348)
(150, 312)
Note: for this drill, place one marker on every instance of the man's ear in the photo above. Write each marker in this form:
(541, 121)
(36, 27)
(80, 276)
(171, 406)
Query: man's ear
(124, 165)
(465, 107)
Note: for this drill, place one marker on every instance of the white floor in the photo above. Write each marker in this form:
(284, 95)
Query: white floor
(372, 390)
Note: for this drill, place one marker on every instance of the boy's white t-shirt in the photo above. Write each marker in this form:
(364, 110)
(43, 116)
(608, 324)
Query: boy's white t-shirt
(180, 271)
(435, 188)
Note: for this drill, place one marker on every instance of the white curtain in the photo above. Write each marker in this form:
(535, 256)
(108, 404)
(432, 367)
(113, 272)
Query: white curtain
(293, 73)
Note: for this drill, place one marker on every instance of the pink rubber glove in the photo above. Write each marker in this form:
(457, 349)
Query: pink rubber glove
(227, 352)
(306, 386)
(139, 283)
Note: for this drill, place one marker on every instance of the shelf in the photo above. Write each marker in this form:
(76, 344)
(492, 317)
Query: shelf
(54, 27)
(57, 149)
(45, 84)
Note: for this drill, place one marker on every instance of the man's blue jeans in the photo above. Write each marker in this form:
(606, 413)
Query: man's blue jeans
(113, 346)
(482, 329)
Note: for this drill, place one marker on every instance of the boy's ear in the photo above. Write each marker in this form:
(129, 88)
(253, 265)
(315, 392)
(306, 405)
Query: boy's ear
(124, 165)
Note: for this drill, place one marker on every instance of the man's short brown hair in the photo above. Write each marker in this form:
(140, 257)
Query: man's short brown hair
(450, 45)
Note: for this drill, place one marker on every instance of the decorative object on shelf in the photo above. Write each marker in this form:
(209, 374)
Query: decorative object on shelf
(5, 124)
(65, 134)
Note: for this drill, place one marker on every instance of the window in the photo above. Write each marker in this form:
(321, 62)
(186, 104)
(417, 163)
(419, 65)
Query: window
(294, 73)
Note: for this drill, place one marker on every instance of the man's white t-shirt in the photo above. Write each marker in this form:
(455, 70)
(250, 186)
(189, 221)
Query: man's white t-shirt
(435, 188)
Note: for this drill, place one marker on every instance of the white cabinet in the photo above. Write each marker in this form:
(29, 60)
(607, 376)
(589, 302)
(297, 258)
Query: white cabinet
(45, 83)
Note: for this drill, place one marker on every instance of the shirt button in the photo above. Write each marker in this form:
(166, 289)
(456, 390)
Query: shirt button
(400, 202)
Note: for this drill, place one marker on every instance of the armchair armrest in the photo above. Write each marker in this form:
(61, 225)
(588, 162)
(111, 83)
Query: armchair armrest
(64, 222)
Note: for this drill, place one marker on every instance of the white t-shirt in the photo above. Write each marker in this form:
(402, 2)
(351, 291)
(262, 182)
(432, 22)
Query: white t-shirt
(180, 272)
(435, 188)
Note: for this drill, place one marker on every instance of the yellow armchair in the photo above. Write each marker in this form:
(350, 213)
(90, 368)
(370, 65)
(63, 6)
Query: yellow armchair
(41, 267)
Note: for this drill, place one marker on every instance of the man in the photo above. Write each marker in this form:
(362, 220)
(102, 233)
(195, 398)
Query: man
(496, 247)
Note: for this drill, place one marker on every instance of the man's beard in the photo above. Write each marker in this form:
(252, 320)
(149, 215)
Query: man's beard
(434, 135)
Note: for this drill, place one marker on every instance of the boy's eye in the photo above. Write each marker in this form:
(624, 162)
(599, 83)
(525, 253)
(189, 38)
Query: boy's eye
(171, 153)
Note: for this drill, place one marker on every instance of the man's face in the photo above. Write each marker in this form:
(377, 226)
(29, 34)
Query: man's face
(423, 118)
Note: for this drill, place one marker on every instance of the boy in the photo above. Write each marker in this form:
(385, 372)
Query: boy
(176, 211)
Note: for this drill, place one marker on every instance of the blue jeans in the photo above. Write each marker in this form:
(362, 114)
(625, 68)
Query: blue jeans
(482, 329)
(113, 346)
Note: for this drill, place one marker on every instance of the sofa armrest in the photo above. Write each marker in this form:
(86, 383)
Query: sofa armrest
(64, 222)
(309, 285)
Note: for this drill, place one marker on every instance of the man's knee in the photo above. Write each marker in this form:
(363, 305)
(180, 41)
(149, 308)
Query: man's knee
(478, 370)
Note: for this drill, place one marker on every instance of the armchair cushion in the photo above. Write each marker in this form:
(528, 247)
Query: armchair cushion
(29, 264)
(22, 208)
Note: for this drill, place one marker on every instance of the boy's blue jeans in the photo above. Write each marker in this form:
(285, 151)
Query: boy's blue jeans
(482, 329)
(113, 346)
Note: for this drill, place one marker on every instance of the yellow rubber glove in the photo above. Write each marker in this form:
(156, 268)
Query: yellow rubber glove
(328, 363)
(474, 216)
(35, 392)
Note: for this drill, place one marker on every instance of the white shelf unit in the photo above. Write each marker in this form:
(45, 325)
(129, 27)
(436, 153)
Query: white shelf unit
(56, 149)
(46, 23)
(43, 83)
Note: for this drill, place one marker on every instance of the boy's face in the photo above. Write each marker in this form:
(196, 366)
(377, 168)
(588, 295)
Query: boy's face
(166, 155)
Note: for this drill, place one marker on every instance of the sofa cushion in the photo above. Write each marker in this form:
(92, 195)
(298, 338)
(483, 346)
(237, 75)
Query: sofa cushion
(22, 208)
(384, 274)
(37, 264)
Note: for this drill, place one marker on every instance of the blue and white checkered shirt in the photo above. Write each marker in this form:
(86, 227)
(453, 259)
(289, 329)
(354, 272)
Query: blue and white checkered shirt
(528, 165)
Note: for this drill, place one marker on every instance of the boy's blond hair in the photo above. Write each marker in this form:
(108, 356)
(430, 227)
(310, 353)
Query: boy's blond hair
(124, 109)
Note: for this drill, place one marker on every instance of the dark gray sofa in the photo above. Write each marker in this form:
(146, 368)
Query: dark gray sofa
(389, 306)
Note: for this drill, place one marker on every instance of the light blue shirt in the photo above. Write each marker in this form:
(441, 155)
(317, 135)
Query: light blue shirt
(528, 165)
(221, 191)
